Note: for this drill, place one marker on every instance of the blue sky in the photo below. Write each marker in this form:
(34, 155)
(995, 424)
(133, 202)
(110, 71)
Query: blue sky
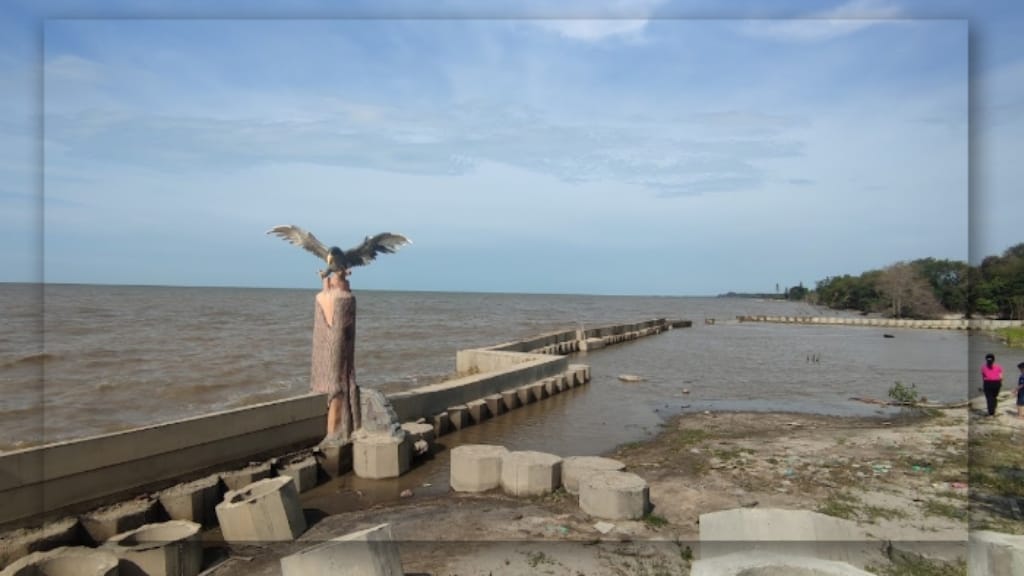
(648, 147)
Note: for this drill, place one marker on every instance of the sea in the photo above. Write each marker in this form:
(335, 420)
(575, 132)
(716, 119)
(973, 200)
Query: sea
(83, 360)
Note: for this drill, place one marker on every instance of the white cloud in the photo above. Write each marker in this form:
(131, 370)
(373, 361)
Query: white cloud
(840, 21)
(625, 19)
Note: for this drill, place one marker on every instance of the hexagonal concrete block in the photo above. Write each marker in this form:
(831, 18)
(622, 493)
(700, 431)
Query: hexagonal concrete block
(65, 561)
(458, 417)
(476, 467)
(237, 479)
(377, 456)
(495, 404)
(510, 400)
(370, 552)
(193, 501)
(334, 457)
(576, 467)
(163, 549)
(303, 471)
(995, 553)
(759, 563)
(266, 510)
(478, 411)
(442, 425)
(538, 390)
(552, 386)
(529, 473)
(614, 495)
(106, 522)
(55, 534)
(525, 394)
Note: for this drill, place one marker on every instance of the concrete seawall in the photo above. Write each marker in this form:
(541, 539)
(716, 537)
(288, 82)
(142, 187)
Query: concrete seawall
(887, 322)
(69, 477)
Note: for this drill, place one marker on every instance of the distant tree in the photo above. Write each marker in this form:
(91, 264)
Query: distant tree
(797, 292)
(907, 292)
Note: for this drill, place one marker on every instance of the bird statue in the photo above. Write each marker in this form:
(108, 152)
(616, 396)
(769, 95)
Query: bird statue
(340, 261)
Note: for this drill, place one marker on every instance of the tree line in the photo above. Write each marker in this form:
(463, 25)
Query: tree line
(928, 288)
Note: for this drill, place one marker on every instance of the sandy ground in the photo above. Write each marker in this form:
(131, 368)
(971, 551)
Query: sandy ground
(903, 480)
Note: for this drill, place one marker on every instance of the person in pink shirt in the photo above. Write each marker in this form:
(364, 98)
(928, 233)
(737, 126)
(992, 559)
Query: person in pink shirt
(992, 382)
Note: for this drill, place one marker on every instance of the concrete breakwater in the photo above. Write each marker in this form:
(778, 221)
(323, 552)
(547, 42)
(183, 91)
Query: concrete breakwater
(972, 324)
(72, 477)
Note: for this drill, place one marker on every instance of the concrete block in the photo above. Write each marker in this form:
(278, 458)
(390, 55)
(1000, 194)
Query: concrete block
(334, 457)
(458, 416)
(266, 510)
(592, 344)
(786, 532)
(525, 394)
(529, 473)
(477, 411)
(995, 554)
(107, 522)
(510, 400)
(370, 552)
(65, 561)
(378, 456)
(236, 479)
(495, 404)
(193, 501)
(538, 391)
(564, 381)
(303, 471)
(165, 549)
(418, 431)
(768, 564)
(476, 467)
(576, 467)
(614, 495)
(22, 542)
(442, 425)
(552, 386)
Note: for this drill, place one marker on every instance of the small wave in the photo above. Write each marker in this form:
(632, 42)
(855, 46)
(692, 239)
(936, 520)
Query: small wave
(36, 359)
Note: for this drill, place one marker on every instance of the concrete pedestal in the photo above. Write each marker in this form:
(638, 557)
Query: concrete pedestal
(378, 456)
(525, 394)
(538, 391)
(495, 404)
(334, 457)
(552, 386)
(193, 501)
(67, 561)
(476, 467)
(303, 471)
(510, 399)
(458, 417)
(267, 510)
(478, 411)
(442, 425)
(370, 552)
(165, 549)
(576, 467)
(529, 473)
(614, 496)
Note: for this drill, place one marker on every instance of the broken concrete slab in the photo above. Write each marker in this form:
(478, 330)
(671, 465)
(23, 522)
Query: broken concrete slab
(530, 473)
(377, 456)
(106, 522)
(193, 501)
(995, 553)
(370, 552)
(614, 495)
(236, 479)
(476, 467)
(163, 549)
(266, 510)
(787, 532)
(768, 564)
(576, 467)
(303, 470)
(66, 561)
(22, 542)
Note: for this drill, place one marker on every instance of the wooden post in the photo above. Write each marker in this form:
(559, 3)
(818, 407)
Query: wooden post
(333, 369)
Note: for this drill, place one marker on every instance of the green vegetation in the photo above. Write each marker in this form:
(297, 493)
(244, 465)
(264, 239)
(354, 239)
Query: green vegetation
(1014, 337)
(905, 564)
(929, 288)
(655, 521)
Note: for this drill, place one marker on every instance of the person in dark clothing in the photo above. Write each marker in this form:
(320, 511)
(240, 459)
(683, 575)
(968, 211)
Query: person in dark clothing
(991, 382)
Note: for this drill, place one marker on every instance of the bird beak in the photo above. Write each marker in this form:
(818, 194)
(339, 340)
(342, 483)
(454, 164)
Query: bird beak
(330, 259)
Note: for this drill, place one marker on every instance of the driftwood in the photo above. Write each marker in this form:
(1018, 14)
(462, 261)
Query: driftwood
(938, 405)
(333, 364)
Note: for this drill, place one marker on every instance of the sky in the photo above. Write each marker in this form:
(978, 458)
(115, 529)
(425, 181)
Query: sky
(641, 147)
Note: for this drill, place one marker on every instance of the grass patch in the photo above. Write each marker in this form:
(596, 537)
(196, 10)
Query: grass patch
(1013, 337)
(945, 509)
(904, 564)
(840, 505)
(997, 464)
(655, 521)
(688, 438)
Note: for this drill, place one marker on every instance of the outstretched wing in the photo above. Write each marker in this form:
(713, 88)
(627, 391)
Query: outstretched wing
(384, 243)
(301, 238)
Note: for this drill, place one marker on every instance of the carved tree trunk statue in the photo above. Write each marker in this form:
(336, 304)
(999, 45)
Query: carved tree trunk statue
(333, 369)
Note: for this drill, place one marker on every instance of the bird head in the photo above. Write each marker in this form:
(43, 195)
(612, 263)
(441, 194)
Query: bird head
(335, 257)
